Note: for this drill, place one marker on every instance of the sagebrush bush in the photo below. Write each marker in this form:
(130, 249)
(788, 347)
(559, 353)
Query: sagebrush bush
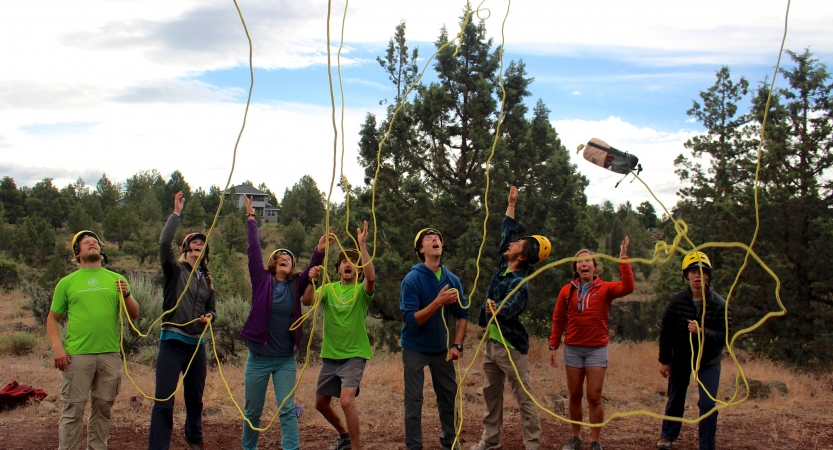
(149, 297)
(40, 300)
(9, 275)
(232, 312)
(18, 343)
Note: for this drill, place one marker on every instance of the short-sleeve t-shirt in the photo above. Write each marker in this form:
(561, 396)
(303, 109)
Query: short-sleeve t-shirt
(91, 301)
(345, 330)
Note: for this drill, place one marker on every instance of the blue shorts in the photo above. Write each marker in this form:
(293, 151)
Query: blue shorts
(581, 357)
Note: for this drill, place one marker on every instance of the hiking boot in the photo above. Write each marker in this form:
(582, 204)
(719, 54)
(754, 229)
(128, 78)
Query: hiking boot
(573, 444)
(192, 445)
(483, 445)
(341, 444)
(664, 444)
(457, 447)
(595, 445)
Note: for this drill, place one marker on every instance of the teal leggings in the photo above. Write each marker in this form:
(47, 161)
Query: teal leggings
(259, 369)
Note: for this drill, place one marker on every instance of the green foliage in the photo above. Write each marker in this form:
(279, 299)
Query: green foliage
(147, 292)
(232, 312)
(45, 201)
(294, 238)
(9, 275)
(794, 199)
(40, 300)
(18, 343)
(55, 270)
(146, 244)
(121, 224)
(34, 238)
(12, 199)
(79, 219)
(193, 214)
(107, 193)
(234, 232)
(228, 271)
(432, 171)
(303, 203)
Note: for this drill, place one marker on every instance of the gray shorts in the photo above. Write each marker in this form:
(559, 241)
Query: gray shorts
(338, 374)
(581, 357)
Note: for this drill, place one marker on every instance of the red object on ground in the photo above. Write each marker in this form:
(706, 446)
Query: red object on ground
(14, 394)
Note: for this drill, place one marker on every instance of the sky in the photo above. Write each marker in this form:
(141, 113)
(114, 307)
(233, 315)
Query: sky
(117, 86)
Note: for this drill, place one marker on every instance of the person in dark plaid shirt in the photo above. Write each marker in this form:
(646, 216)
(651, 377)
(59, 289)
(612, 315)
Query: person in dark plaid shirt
(517, 256)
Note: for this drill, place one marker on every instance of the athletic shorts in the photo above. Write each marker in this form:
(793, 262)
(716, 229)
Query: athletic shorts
(581, 357)
(338, 374)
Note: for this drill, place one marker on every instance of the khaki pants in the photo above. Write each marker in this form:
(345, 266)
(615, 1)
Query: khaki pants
(98, 377)
(496, 369)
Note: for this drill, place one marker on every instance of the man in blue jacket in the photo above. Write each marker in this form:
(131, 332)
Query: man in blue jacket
(430, 292)
(507, 336)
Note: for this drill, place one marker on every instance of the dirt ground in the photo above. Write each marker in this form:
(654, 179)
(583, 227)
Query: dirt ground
(737, 430)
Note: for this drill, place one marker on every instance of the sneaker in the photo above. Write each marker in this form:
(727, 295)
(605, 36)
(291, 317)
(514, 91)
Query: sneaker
(595, 445)
(192, 445)
(573, 444)
(664, 444)
(483, 445)
(341, 444)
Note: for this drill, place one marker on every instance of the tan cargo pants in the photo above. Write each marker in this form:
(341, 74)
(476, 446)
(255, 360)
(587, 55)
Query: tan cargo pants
(496, 369)
(95, 376)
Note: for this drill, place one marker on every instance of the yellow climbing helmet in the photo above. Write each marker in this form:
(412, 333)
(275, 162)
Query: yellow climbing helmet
(696, 259)
(76, 240)
(541, 246)
(422, 233)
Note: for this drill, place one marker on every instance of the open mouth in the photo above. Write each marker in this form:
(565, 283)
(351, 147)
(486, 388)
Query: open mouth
(435, 246)
(283, 264)
(584, 271)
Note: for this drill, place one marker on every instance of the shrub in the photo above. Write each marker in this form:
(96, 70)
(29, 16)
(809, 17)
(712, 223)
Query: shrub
(9, 275)
(18, 343)
(148, 294)
(40, 300)
(231, 316)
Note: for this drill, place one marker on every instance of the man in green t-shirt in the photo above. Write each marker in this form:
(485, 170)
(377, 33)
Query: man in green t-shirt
(345, 348)
(89, 356)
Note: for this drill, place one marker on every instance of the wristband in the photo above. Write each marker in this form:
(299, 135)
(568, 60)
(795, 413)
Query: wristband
(127, 295)
(459, 347)
(251, 214)
(553, 348)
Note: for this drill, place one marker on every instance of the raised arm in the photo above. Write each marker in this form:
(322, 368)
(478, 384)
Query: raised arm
(627, 283)
(166, 239)
(368, 270)
(513, 199)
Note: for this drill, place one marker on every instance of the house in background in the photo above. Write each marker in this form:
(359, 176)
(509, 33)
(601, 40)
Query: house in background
(260, 202)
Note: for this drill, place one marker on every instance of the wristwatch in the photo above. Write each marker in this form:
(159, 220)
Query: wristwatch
(553, 348)
(459, 347)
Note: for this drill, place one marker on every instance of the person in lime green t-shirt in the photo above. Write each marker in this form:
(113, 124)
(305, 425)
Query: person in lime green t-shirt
(345, 348)
(89, 355)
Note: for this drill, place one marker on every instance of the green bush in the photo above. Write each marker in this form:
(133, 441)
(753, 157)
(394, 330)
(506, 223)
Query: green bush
(231, 316)
(18, 343)
(148, 294)
(9, 275)
(40, 300)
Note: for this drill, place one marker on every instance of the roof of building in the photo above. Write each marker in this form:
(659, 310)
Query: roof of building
(246, 189)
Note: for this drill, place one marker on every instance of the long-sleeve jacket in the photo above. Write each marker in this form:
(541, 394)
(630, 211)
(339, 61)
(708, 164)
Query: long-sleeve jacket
(674, 334)
(419, 288)
(502, 283)
(588, 327)
(200, 298)
(256, 327)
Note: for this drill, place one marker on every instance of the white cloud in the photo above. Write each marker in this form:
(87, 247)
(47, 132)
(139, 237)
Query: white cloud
(576, 93)
(655, 149)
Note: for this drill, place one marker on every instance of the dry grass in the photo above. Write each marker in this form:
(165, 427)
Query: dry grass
(633, 383)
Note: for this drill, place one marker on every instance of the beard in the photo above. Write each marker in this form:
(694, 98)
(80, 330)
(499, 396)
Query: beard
(91, 257)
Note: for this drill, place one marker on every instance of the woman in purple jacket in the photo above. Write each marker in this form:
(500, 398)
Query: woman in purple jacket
(276, 304)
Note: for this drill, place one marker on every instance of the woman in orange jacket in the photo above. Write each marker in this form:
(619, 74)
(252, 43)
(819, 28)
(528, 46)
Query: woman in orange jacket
(582, 310)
